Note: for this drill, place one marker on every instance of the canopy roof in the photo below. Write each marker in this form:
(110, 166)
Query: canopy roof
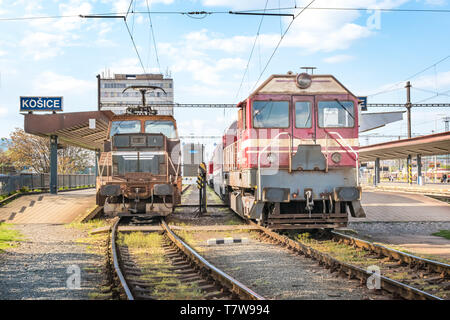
(71, 128)
(429, 145)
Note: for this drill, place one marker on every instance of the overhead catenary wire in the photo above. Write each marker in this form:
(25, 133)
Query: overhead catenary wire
(251, 53)
(279, 42)
(134, 45)
(128, 11)
(153, 36)
(409, 78)
(202, 12)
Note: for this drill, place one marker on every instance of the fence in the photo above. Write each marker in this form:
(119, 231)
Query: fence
(10, 183)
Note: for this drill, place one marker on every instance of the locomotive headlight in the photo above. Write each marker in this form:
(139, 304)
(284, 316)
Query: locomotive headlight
(336, 157)
(303, 80)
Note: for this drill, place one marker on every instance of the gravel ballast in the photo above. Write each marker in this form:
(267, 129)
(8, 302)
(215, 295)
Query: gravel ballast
(40, 266)
(276, 273)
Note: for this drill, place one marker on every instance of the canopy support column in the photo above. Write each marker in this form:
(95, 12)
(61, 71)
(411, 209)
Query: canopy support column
(53, 164)
(376, 178)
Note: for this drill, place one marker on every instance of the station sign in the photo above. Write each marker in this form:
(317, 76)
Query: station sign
(41, 103)
(362, 101)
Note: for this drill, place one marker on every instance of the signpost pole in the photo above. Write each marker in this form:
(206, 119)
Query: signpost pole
(53, 164)
(408, 113)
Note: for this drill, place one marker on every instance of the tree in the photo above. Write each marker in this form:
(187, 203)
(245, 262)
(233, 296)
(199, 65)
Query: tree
(30, 151)
(5, 163)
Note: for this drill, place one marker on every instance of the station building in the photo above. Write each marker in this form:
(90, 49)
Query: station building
(111, 96)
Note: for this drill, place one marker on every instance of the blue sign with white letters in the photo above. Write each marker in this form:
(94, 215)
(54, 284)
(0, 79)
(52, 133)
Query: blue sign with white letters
(362, 101)
(41, 103)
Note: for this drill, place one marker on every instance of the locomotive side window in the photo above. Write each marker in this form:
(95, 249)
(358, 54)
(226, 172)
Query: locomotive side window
(271, 114)
(303, 114)
(165, 127)
(336, 114)
(129, 126)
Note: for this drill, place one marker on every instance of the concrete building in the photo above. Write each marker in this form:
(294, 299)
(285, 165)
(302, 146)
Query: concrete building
(111, 95)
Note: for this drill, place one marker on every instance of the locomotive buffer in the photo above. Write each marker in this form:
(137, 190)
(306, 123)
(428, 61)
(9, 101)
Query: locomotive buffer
(201, 185)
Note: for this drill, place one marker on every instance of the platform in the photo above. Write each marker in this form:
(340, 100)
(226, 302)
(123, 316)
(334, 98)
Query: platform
(437, 189)
(62, 208)
(383, 206)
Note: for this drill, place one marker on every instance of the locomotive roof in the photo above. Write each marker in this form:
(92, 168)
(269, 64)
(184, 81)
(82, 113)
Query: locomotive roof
(286, 84)
(122, 117)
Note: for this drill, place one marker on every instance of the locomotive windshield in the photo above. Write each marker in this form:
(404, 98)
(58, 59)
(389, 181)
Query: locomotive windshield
(303, 114)
(336, 114)
(271, 114)
(129, 126)
(165, 127)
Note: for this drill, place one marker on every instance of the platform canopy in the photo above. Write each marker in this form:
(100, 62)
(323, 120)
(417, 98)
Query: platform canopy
(82, 129)
(429, 145)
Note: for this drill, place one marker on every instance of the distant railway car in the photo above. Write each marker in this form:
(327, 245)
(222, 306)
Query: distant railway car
(140, 170)
(291, 159)
(192, 157)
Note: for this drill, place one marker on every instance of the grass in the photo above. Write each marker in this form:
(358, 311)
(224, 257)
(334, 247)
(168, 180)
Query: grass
(340, 251)
(93, 241)
(89, 225)
(8, 236)
(95, 244)
(443, 233)
(147, 248)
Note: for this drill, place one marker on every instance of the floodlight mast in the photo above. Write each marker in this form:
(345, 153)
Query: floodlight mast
(143, 90)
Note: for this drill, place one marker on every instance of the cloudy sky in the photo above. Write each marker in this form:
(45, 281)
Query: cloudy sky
(368, 51)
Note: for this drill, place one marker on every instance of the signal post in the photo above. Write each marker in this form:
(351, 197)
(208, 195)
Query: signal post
(201, 185)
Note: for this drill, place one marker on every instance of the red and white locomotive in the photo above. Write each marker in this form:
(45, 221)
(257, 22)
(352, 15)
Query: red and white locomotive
(290, 161)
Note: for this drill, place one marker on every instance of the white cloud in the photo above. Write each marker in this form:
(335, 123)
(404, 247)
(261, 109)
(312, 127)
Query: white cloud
(434, 82)
(312, 31)
(435, 2)
(128, 65)
(41, 45)
(236, 4)
(439, 81)
(3, 111)
(74, 7)
(51, 83)
(205, 70)
(338, 58)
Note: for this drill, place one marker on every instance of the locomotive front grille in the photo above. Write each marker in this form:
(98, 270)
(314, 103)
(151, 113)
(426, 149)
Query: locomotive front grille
(129, 161)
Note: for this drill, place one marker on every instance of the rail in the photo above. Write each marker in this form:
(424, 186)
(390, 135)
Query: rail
(263, 150)
(436, 266)
(227, 281)
(352, 271)
(115, 254)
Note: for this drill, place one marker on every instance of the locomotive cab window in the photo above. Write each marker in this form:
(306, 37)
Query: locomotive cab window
(165, 127)
(129, 126)
(303, 114)
(336, 114)
(271, 114)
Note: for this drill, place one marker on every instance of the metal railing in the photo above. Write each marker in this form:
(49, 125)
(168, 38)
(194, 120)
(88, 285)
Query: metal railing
(41, 181)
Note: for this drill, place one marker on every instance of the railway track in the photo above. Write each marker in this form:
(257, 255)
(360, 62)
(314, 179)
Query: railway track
(184, 264)
(433, 270)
